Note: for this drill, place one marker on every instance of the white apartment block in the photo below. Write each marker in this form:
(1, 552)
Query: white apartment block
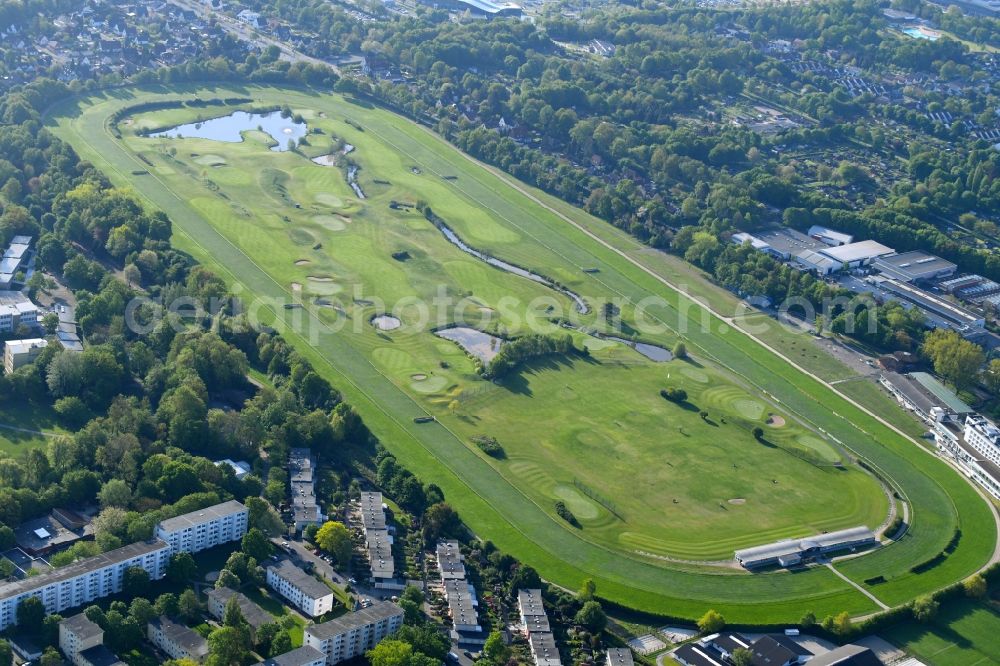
(198, 530)
(352, 635)
(303, 656)
(19, 353)
(176, 640)
(76, 634)
(84, 581)
(302, 590)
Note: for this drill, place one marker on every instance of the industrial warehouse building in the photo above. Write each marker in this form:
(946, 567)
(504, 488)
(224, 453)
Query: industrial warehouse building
(915, 266)
(791, 552)
(484, 8)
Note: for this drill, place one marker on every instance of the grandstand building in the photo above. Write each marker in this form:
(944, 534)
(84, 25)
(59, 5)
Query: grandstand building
(791, 552)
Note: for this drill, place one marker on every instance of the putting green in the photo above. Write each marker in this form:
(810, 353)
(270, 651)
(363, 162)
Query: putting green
(210, 160)
(330, 222)
(617, 435)
(328, 199)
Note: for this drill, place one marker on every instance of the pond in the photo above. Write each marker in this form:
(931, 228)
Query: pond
(652, 352)
(481, 345)
(230, 128)
(386, 322)
(581, 305)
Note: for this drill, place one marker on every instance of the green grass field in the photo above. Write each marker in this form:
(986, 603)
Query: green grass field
(16, 418)
(591, 432)
(964, 633)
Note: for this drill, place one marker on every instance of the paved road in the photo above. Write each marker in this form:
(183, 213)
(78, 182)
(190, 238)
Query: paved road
(248, 34)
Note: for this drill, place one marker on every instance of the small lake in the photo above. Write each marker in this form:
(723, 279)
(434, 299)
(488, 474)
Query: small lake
(386, 322)
(581, 305)
(230, 128)
(652, 352)
(481, 345)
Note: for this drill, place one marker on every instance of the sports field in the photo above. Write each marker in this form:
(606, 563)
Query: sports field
(964, 633)
(655, 486)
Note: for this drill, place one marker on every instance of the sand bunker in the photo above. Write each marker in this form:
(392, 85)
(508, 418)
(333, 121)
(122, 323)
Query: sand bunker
(302, 262)
(419, 377)
(296, 286)
(775, 421)
(319, 278)
(386, 323)
(737, 500)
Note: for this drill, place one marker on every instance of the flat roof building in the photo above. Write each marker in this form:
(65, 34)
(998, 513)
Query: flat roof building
(19, 353)
(544, 650)
(76, 634)
(176, 640)
(303, 656)
(301, 589)
(619, 657)
(939, 312)
(484, 8)
(83, 581)
(791, 552)
(915, 266)
(450, 561)
(302, 478)
(352, 635)
(756, 243)
(16, 310)
(462, 604)
(857, 254)
(255, 616)
(532, 611)
(829, 236)
(847, 655)
(924, 395)
(195, 531)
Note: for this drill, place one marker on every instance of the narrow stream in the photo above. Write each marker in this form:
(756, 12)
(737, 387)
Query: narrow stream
(581, 305)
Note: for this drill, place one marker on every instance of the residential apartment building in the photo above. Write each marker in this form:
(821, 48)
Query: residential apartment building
(84, 581)
(378, 542)
(536, 624)
(354, 634)
(198, 530)
(450, 561)
(461, 596)
(301, 475)
(19, 353)
(16, 310)
(77, 634)
(303, 656)
(302, 590)
(254, 615)
(176, 640)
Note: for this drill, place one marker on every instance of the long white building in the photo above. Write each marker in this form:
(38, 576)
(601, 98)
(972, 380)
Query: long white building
(352, 635)
(303, 591)
(95, 577)
(84, 581)
(205, 528)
